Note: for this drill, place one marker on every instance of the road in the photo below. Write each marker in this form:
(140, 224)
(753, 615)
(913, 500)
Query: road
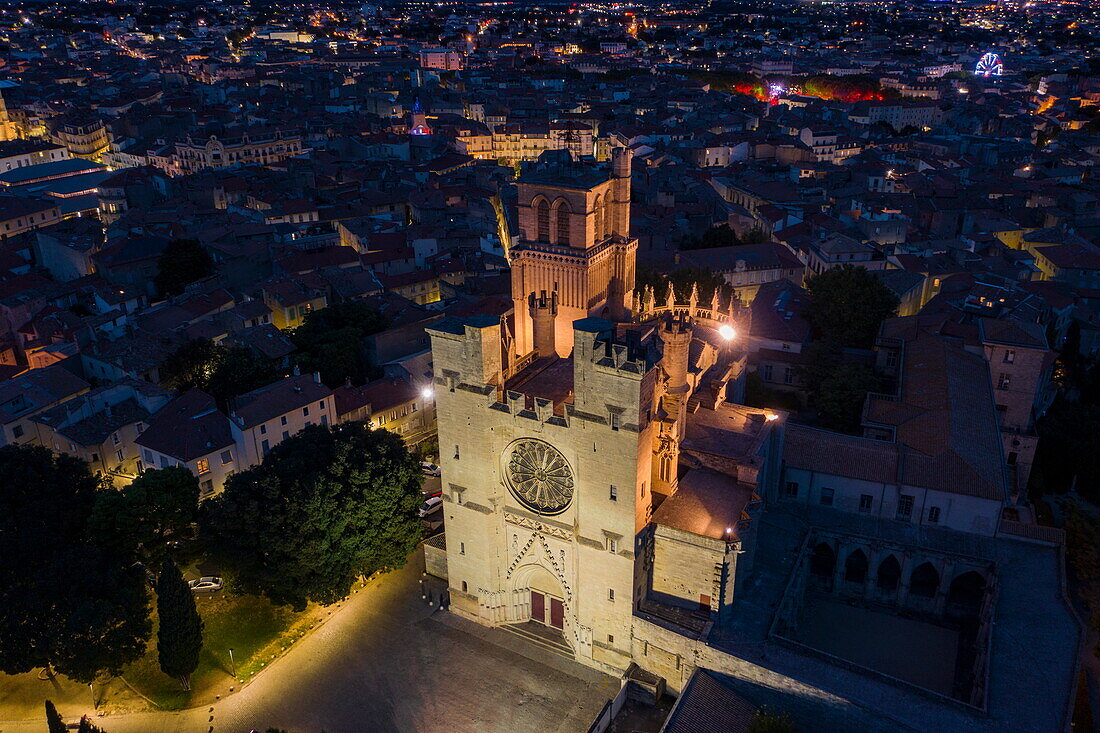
(387, 662)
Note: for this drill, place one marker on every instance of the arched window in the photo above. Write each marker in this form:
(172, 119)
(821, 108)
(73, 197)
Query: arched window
(924, 581)
(822, 561)
(561, 219)
(855, 567)
(889, 573)
(608, 224)
(966, 593)
(542, 212)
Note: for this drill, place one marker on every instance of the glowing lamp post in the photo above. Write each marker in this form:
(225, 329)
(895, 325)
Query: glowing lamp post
(727, 332)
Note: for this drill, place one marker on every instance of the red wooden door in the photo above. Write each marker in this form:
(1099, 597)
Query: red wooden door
(557, 613)
(538, 607)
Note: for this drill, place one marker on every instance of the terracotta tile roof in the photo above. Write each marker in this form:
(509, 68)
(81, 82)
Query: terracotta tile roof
(187, 428)
(707, 705)
(706, 503)
(279, 398)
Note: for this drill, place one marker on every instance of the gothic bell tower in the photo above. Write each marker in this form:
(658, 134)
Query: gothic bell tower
(575, 248)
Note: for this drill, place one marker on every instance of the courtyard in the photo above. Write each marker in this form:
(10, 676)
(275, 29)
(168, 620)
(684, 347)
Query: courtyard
(388, 662)
(909, 649)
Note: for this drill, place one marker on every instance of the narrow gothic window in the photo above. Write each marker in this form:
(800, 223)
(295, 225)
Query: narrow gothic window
(563, 223)
(598, 219)
(543, 212)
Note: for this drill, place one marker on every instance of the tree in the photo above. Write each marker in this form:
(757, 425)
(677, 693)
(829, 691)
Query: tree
(183, 262)
(682, 280)
(837, 390)
(179, 635)
(66, 603)
(191, 365)
(755, 235)
(54, 722)
(719, 236)
(158, 506)
(846, 306)
(239, 370)
(330, 341)
(323, 508)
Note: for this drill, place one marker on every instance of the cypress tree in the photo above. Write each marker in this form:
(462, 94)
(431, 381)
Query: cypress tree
(179, 636)
(54, 721)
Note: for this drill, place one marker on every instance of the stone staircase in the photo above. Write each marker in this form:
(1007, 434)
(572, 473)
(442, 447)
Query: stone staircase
(541, 636)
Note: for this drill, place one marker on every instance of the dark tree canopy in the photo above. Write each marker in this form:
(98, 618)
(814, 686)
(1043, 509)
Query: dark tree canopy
(66, 602)
(682, 280)
(222, 372)
(158, 506)
(326, 506)
(239, 370)
(330, 341)
(846, 306)
(179, 633)
(836, 388)
(191, 365)
(183, 262)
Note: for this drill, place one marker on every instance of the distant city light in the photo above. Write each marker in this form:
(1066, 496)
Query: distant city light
(727, 332)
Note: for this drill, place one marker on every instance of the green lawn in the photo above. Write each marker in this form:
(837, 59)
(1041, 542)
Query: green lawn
(255, 629)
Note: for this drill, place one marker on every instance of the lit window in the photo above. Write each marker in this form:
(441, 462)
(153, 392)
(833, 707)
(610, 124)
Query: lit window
(203, 466)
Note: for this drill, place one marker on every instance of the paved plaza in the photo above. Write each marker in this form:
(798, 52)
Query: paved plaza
(388, 662)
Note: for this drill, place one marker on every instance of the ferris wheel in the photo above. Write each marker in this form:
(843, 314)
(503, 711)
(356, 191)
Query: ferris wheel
(989, 65)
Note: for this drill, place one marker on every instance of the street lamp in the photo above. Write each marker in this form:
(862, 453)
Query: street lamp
(232, 663)
(426, 393)
(727, 332)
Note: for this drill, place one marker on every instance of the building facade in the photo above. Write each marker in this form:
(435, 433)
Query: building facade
(594, 462)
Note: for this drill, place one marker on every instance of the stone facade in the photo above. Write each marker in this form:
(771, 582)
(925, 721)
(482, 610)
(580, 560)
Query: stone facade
(560, 441)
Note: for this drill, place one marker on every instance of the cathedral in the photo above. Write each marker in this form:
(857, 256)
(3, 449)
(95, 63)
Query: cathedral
(596, 463)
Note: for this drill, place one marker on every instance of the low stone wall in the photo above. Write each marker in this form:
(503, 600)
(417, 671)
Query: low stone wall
(435, 556)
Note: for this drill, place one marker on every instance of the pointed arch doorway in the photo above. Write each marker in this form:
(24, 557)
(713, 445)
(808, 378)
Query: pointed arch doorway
(545, 593)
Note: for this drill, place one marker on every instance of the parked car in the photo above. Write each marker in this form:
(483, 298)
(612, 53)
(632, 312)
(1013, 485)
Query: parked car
(206, 584)
(429, 469)
(430, 505)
